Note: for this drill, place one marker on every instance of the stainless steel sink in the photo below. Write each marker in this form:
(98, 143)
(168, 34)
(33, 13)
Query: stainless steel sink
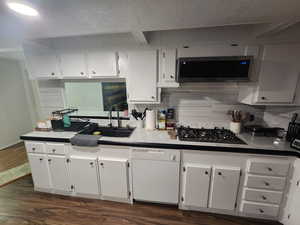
(108, 131)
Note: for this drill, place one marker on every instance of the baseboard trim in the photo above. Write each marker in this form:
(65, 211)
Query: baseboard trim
(11, 145)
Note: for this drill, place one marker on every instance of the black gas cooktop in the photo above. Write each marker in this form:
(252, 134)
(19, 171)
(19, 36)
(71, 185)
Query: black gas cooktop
(216, 135)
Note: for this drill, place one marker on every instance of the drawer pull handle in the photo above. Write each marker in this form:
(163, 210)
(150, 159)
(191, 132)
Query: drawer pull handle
(219, 173)
(270, 169)
(91, 163)
(101, 164)
(206, 172)
(33, 149)
(261, 211)
(41, 159)
(53, 150)
(264, 197)
(49, 160)
(267, 183)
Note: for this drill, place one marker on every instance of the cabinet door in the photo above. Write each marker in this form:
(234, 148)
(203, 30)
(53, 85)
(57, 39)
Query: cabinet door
(114, 178)
(59, 172)
(40, 171)
(102, 64)
(224, 188)
(168, 65)
(73, 64)
(41, 62)
(278, 73)
(196, 180)
(142, 76)
(84, 175)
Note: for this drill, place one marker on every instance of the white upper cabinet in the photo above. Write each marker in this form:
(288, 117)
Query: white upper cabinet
(114, 179)
(102, 63)
(167, 68)
(142, 77)
(224, 188)
(195, 186)
(278, 77)
(73, 64)
(41, 61)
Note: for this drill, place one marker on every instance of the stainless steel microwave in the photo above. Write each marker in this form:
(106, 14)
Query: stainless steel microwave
(214, 69)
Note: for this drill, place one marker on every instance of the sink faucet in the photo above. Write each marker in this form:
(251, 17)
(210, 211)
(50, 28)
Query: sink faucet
(118, 117)
(110, 117)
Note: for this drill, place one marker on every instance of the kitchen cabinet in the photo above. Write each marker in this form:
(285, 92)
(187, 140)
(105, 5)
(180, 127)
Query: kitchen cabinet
(167, 68)
(224, 188)
(196, 181)
(114, 178)
(41, 61)
(59, 172)
(73, 64)
(278, 77)
(102, 64)
(84, 175)
(39, 170)
(142, 77)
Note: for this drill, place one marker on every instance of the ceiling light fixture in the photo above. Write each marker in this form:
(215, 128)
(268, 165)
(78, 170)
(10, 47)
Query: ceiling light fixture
(22, 8)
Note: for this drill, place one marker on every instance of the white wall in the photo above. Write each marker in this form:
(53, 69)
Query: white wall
(16, 117)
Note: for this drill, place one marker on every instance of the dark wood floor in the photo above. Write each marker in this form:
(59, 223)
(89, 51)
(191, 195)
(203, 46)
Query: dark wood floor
(12, 157)
(19, 204)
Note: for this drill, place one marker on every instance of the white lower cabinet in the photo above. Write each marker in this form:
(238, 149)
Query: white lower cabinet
(59, 172)
(84, 176)
(224, 188)
(196, 181)
(40, 171)
(114, 178)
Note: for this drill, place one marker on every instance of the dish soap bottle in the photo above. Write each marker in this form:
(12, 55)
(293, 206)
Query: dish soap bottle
(162, 120)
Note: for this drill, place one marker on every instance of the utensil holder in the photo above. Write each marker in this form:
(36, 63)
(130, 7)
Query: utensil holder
(235, 127)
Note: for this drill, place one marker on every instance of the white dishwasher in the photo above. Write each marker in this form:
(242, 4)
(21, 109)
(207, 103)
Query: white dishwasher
(155, 174)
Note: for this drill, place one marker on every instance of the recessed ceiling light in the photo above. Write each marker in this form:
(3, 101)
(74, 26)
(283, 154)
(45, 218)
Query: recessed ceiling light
(22, 8)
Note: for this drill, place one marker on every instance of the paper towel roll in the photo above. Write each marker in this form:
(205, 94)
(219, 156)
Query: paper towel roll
(150, 120)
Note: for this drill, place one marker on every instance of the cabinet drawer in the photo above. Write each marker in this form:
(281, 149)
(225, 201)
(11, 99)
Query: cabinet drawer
(37, 147)
(259, 209)
(265, 182)
(54, 148)
(265, 196)
(268, 168)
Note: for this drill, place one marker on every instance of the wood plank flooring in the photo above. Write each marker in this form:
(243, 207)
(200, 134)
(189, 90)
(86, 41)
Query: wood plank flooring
(12, 157)
(19, 204)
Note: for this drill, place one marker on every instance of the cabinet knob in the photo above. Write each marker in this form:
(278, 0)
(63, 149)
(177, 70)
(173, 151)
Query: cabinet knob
(264, 197)
(82, 73)
(101, 164)
(93, 72)
(261, 211)
(49, 160)
(270, 169)
(53, 150)
(41, 159)
(172, 76)
(219, 173)
(267, 183)
(91, 163)
(263, 98)
(52, 74)
(152, 97)
(206, 172)
(33, 149)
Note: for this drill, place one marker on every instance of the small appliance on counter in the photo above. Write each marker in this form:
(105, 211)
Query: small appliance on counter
(261, 131)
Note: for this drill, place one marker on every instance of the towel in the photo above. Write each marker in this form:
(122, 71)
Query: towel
(85, 140)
